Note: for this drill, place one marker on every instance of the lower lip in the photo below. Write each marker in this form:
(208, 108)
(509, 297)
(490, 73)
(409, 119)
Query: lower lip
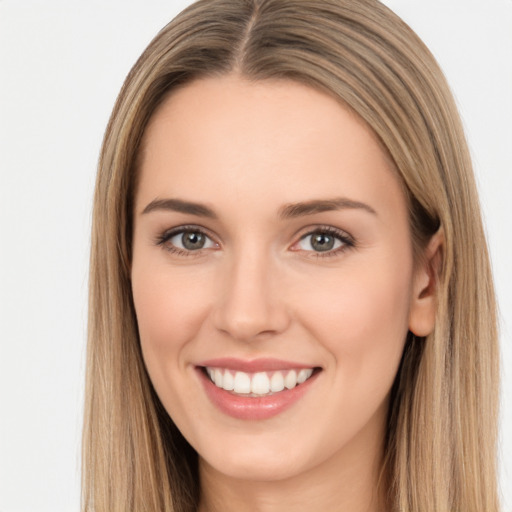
(254, 408)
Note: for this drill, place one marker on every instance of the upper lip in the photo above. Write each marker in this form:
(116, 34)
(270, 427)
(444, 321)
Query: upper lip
(254, 365)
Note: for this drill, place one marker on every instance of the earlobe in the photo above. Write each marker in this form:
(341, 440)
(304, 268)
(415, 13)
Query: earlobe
(422, 314)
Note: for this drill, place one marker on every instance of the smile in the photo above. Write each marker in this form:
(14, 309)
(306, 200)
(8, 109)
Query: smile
(257, 384)
(258, 389)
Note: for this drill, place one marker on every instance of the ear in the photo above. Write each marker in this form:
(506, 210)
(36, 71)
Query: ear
(422, 314)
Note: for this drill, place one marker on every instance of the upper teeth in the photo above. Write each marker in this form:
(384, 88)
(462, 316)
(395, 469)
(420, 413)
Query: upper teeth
(260, 383)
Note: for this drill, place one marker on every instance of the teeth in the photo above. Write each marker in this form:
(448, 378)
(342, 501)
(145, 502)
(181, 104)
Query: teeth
(277, 382)
(290, 381)
(302, 376)
(229, 381)
(218, 377)
(258, 384)
(242, 383)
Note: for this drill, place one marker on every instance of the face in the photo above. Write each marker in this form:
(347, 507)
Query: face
(272, 276)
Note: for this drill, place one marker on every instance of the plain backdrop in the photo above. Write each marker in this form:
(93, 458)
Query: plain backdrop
(62, 64)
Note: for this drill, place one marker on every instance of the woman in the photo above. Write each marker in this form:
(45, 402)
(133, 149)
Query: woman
(280, 309)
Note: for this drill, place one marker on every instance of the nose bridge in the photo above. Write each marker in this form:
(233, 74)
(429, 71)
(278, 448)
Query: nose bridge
(248, 304)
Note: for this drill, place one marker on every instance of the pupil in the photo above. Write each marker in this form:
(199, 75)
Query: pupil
(192, 240)
(322, 242)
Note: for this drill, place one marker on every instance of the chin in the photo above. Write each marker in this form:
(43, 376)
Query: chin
(256, 461)
(256, 469)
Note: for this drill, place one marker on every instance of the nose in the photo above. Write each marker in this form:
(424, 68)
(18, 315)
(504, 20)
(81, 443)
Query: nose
(250, 303)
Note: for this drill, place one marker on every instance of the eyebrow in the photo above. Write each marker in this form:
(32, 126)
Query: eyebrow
(322, 205)
(288, 211)
(178, 205)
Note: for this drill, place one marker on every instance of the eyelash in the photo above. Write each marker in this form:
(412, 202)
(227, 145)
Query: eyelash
(346, 240)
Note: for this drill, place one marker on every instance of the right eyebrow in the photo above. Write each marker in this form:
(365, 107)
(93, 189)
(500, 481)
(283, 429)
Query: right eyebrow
(178, 205)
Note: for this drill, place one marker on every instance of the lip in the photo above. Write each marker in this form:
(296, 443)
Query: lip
(253, 408)
(255, 365)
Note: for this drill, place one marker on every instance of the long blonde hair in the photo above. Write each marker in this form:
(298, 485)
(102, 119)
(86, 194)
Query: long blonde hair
(442, 425)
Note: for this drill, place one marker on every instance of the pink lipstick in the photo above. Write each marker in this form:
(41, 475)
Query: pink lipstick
(257, 389)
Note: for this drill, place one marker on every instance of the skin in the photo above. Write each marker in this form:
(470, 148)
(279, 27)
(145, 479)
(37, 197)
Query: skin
(259, 289)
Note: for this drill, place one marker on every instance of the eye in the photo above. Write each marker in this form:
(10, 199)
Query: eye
(324, 240)
(191, 241)
(186, 240)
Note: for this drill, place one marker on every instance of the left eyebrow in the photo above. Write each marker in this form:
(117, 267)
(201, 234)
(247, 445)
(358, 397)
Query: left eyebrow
(322, 205)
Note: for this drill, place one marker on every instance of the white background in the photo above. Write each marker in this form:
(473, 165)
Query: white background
(62, 64)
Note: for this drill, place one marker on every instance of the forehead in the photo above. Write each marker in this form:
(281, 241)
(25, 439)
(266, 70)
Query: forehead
(278, 140)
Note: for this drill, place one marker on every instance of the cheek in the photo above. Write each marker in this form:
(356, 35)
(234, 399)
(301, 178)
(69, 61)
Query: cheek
(170, 308)
(361, 317)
